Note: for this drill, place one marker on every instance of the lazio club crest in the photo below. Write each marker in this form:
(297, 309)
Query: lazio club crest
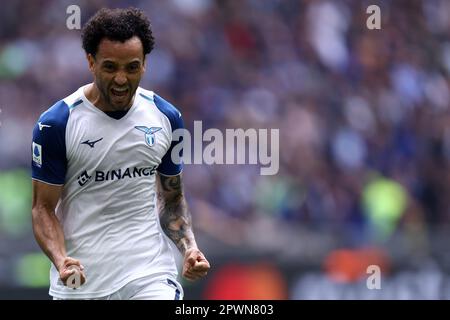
(149, 134)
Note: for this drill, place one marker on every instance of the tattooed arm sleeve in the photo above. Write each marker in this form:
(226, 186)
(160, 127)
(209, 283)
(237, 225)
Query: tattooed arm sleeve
(175, 217)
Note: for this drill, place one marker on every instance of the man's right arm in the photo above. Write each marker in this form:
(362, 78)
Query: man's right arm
(46, 226)
(48, 231)
(48, 170)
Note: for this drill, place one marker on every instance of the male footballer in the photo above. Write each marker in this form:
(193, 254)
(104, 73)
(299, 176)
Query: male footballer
(105, 189)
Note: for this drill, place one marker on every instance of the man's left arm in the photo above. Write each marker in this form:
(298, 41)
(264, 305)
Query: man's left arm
(176, 222)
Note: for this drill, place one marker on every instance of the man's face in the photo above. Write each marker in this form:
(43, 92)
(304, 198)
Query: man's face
(117, 68)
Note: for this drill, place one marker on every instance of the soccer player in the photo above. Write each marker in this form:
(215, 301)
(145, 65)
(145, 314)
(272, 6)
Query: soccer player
(101, 158)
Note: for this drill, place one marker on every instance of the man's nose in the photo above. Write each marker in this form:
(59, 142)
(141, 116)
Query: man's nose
(120, 79)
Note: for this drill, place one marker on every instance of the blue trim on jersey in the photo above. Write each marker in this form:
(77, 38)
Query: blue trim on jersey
(146, 97)
(75, 104)
(177, 292)
(167, 167)
(50, 135)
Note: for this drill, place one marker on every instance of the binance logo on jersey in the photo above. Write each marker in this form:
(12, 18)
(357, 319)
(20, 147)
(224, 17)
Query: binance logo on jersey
(83, 178)
(117, 174)
(122, 174)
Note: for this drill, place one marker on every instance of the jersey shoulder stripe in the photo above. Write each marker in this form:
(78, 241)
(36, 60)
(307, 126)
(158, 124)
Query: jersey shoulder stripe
(74, 99)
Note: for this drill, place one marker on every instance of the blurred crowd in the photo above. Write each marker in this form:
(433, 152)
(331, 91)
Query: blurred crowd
(363, 114)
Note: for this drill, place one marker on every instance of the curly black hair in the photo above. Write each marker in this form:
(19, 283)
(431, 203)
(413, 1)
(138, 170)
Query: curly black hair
(117, 25)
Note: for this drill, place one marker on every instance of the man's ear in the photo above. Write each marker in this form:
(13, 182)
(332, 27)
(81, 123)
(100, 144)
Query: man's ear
(144, 66)
(91, 60)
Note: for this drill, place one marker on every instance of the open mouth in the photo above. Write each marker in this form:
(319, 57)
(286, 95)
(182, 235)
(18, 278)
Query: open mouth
(119, 92)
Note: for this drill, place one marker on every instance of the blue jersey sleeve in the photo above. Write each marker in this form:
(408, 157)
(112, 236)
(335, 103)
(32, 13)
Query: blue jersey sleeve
(49, 161)
(167, 166)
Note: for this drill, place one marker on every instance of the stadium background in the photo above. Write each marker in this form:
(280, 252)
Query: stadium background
(364, 139)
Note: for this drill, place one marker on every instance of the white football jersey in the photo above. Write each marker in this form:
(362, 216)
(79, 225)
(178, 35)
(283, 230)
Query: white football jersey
(107, 167)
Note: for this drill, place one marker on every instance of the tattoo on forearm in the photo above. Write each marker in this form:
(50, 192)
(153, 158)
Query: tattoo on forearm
(175, 218)
(171, 184)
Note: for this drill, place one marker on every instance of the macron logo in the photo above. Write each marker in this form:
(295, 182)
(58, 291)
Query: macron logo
(42, 126)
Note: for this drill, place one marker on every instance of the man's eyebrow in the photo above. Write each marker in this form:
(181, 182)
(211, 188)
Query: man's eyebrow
(131, 62)
(108, 61)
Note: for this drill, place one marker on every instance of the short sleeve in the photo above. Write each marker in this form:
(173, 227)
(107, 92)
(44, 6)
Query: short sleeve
(48, 148)
(167, 166)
